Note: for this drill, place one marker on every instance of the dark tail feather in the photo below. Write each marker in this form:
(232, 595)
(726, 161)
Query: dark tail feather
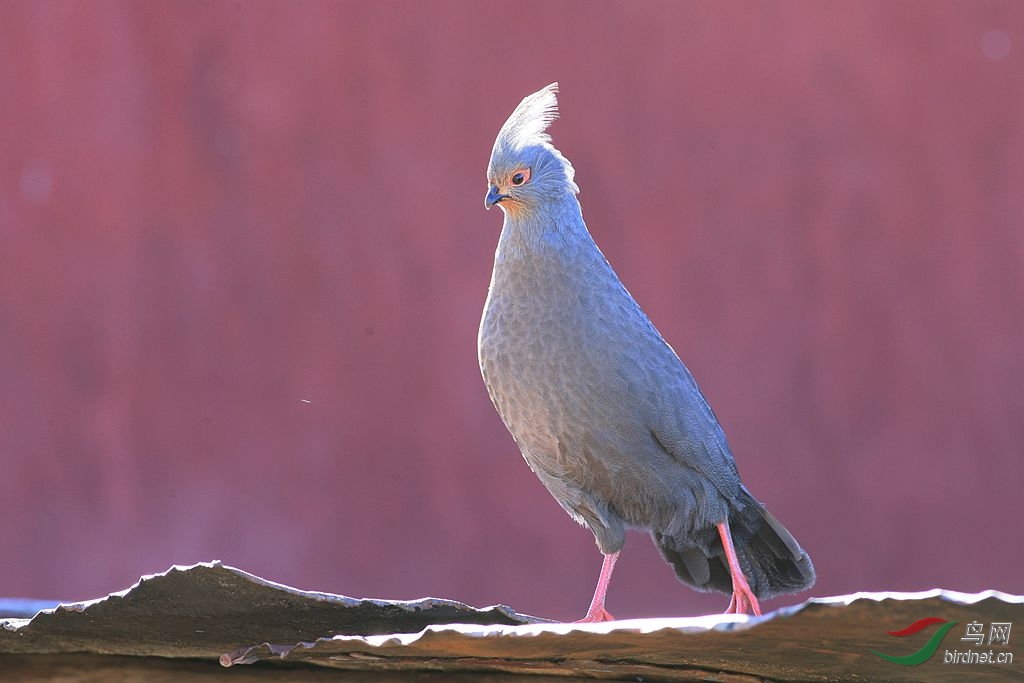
(773, 561)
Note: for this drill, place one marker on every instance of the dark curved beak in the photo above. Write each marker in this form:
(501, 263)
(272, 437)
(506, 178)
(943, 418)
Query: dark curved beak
(493, 197)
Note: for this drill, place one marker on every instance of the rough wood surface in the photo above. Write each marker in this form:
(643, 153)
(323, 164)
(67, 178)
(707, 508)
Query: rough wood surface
(181, 623)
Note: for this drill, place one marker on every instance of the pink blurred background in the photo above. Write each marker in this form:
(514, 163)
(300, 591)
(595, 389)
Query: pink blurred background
(243, 254)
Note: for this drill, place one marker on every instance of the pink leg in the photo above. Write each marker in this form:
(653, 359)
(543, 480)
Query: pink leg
(742, 596)
(597, 612)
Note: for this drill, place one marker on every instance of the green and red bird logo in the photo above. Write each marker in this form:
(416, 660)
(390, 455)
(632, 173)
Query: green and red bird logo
(925, 653)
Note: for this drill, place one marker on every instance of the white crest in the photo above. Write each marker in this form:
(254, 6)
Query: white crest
(525, 130)
(530, 119)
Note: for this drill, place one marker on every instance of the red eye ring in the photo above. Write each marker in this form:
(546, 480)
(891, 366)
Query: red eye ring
(520, 177)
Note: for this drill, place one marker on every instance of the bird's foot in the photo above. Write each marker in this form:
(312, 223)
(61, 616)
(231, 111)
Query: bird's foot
(594, 616)
(742, 599)
(597, 612)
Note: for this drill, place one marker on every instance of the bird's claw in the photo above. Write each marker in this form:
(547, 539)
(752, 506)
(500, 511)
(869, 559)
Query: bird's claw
(742, 599)
(595, 616)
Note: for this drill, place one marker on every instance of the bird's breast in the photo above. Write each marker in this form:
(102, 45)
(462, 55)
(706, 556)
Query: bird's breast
(554, 349)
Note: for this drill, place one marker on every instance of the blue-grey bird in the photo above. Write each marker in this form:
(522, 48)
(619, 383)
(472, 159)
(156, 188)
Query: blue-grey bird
(600, 405)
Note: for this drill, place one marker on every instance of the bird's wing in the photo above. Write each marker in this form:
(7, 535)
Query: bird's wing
(685, 426)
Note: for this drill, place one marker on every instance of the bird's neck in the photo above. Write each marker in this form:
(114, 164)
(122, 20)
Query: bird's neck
(557, 229)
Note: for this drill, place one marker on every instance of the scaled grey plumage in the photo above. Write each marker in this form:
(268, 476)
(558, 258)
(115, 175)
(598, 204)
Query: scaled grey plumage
(603, 410)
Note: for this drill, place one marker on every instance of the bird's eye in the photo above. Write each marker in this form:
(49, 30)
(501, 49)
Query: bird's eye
(520, 177)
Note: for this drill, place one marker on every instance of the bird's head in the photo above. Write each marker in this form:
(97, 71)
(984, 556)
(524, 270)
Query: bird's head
(526, 171)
